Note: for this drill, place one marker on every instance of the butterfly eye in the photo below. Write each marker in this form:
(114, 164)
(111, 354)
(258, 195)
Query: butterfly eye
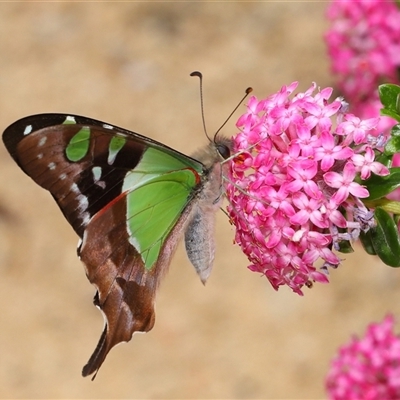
(224, 151)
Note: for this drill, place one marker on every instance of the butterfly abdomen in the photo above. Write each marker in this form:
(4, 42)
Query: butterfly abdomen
(199, 233)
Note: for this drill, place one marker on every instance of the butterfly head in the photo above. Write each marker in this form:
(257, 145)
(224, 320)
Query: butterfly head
(223, 147)
(216, 151)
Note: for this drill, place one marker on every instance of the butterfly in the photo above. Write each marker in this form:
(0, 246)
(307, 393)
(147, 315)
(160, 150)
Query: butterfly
(130, 199)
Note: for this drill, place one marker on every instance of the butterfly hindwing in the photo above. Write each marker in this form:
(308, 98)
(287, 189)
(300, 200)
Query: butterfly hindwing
(126, 196)
(125, 287)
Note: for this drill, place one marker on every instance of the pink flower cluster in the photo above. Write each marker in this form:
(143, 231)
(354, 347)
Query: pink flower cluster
(367, 368)
(364, 48)
(292, 185)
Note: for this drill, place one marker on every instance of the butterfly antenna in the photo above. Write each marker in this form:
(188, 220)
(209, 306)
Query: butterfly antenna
(200, 75)
(247, 92)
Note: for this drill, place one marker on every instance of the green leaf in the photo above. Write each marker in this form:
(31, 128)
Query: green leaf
(385, 238)
(393, 145)
(380, 186)
(395, 131)
(384, 159)
(365, 239)
(390, 98)
(345, 247)
(390, 113)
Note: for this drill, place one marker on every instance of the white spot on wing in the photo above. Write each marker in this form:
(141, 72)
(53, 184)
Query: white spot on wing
(82, 244)
(28, 130)
(112, 154)
(74, 188)
(78, 248)
(96, 173)
(108, 126)
(40, 156)
(52, 166)
(63, 176)
(70, 118)
(85, 218)
(83, 202)
(42, 141)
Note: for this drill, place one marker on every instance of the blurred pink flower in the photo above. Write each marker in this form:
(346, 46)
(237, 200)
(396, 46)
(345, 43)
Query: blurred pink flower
(370, 108)
(367, 368)
(364, 46)
(293, 180)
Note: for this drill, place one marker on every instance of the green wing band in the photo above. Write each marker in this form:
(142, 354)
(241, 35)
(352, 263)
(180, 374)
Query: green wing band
(154, 208)
(78, 146)
(155, 163)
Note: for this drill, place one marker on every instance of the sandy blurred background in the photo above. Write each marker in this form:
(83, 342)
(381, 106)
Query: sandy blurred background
(129, 64)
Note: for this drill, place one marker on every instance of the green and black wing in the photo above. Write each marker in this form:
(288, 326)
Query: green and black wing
(125, 195)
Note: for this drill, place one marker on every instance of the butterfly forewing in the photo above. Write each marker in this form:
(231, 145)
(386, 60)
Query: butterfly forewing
(82, 162)
(127, 197)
